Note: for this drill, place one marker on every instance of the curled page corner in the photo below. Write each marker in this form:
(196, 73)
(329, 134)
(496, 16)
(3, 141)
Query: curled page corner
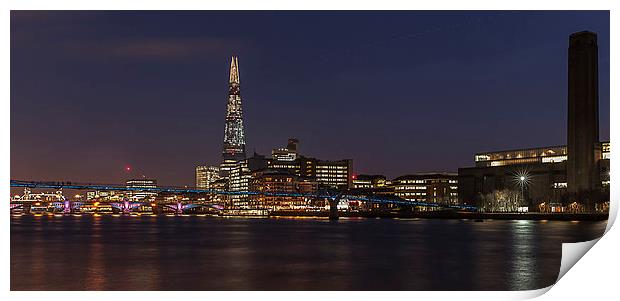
(611, 218)
(571, 253)
(531, 294)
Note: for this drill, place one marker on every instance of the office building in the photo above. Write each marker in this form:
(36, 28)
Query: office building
(275, 181)
(334, 174)
(241, 173)
(288, 153)
(367, 181)
(205, 175)
(234, 138)
(137, 184)
(240, 177)
(327, 173)
(102, 195)
(440, 188)
(220, 184)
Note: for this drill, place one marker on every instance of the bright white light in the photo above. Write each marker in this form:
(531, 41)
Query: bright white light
(522, 177)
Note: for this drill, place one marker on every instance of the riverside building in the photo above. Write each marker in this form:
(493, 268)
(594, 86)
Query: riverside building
(327, 173)
(368, 181)
(544, 172)
(141, 183)
(309, 174)
(288, 153)
(573, 177)
(206, 175)
(440, 188)
(275, 181)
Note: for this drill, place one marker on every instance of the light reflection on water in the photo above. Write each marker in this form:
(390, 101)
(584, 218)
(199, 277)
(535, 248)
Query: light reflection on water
(522, 257)
(206, 253)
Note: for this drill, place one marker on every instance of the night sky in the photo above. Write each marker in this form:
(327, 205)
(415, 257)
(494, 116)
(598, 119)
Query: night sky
(397, 92)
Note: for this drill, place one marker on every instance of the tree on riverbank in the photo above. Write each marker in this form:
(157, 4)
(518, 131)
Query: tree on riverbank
(505, 200)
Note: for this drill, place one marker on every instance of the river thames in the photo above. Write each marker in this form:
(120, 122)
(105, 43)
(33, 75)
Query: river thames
(209, 253)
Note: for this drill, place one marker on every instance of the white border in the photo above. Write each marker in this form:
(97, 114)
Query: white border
(592, 277)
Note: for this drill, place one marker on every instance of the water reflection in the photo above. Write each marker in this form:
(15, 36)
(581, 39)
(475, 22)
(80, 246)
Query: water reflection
(523, 270)
(205, 253)
(95, 269)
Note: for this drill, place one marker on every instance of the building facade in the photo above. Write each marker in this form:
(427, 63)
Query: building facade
(561, 177)
(141, 183)
(105, 195)
(240, 177)
(334, 174)
(544, 170)
(274, 181)
(327, 173)
(241, 173)
(288, 153)
(440, 188)
(205, 175)
(309, 174)
(234, 137)
(368, 181)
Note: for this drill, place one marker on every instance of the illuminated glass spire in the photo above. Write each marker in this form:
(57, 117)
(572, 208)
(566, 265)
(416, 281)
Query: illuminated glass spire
(234, 139)
(234, 71)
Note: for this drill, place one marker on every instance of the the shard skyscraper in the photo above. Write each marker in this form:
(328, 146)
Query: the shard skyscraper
(234, 138)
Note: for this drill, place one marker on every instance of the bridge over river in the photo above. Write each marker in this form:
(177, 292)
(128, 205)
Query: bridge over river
(127, 205)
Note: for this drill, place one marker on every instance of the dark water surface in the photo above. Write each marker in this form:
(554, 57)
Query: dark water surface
(208, 253)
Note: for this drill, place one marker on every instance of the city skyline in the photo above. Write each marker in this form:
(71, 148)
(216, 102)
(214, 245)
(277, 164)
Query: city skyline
(269, 120)
(307, 150)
